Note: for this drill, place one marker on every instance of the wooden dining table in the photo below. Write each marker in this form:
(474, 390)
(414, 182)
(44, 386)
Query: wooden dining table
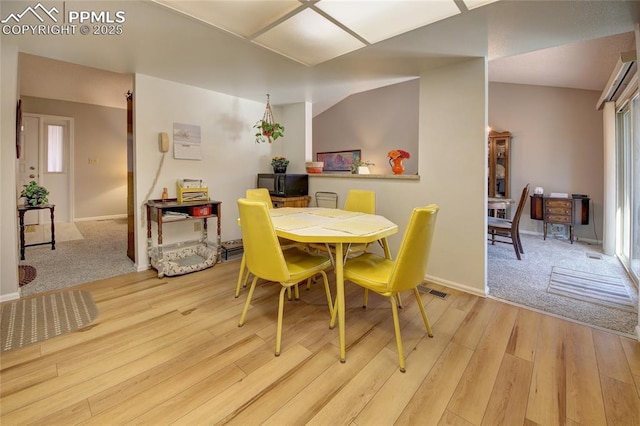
(338, 227)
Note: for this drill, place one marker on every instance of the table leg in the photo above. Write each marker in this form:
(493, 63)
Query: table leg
(53, 228)
(21, 214)
(340, 299)
(571, 233)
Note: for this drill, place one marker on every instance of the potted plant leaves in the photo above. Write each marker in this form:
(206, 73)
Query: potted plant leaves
(34, 194)
(279, 164)
(361, 167)
(268, 131)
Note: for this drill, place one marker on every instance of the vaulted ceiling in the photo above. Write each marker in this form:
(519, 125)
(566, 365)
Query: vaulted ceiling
(584, 38)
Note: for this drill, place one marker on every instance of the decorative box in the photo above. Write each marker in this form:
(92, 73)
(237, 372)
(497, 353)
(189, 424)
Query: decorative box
(199, 211)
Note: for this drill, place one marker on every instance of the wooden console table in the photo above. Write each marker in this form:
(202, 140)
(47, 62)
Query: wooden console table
(190, 210)
(559, 210)
(22, 209)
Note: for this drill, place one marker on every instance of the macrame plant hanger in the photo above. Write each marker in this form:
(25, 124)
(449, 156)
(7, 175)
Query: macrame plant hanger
(268, 118)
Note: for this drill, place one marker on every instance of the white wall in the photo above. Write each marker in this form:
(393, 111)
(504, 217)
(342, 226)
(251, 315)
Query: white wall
(296, 141)
(452, 169)
(453, 160)
(8, 160)
(375, 121)
(230, 156)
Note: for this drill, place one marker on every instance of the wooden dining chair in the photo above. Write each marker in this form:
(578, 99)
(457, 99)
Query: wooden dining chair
(508, 230)
(265, 259)
(390, 277)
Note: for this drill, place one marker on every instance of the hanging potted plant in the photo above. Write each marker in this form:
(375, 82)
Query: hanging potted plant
(268, 129)
(34, 194)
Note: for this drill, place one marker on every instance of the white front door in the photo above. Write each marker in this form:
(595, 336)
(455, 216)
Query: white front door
(47, 159)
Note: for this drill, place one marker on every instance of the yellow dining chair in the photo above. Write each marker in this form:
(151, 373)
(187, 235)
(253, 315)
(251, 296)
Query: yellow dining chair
(259, 194)
(265, 259)
(358, 200)
(389, 277)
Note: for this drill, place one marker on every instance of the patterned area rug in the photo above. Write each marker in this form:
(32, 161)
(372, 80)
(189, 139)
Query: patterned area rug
(593, 288)
(33, 320)
(27, 273)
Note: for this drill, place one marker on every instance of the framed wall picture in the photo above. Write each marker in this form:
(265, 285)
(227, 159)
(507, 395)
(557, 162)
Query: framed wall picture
(339, 161)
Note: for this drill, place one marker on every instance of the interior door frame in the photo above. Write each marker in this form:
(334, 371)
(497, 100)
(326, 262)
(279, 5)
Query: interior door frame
(42, 173)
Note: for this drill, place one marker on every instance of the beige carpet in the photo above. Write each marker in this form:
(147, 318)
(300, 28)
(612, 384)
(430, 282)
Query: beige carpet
(34, 234)
(33, 320)
(102, 253)
(525, 282)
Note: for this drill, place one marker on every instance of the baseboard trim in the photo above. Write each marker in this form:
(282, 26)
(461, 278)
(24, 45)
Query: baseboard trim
(110, 217)
(10, 296)
(455, 285)
(582, 240)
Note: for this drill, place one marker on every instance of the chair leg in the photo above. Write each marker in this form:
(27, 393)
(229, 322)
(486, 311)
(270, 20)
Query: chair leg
(365, 298)
(515, 248)
(297, 291)
(280, 313)
(327, 292)
(519, 242)
(423, 312)
(514, 242)
(248, 302)
(243, 265)
(334, 312)
(333, 262)
(396, 326)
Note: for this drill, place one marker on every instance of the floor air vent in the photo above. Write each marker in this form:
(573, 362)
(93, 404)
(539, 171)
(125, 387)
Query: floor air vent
(437, 293)
(597, 256)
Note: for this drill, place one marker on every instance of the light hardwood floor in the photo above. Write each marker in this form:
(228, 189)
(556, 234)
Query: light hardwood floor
(168, 351)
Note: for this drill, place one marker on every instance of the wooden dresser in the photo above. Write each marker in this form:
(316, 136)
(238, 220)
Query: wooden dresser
(561, 210)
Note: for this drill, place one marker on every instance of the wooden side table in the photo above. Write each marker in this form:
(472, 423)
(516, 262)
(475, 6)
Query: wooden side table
(22, 209)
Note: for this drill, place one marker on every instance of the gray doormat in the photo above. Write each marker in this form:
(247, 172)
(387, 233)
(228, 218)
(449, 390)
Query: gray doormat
(36, 319)
(601, 289)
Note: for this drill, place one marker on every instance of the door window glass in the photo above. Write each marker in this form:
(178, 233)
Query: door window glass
(55, 148)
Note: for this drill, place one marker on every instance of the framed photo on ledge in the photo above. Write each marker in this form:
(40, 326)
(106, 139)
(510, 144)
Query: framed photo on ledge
(339, 161)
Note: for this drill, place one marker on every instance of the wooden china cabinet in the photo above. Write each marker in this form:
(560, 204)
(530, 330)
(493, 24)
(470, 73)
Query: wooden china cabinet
(499, 163)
